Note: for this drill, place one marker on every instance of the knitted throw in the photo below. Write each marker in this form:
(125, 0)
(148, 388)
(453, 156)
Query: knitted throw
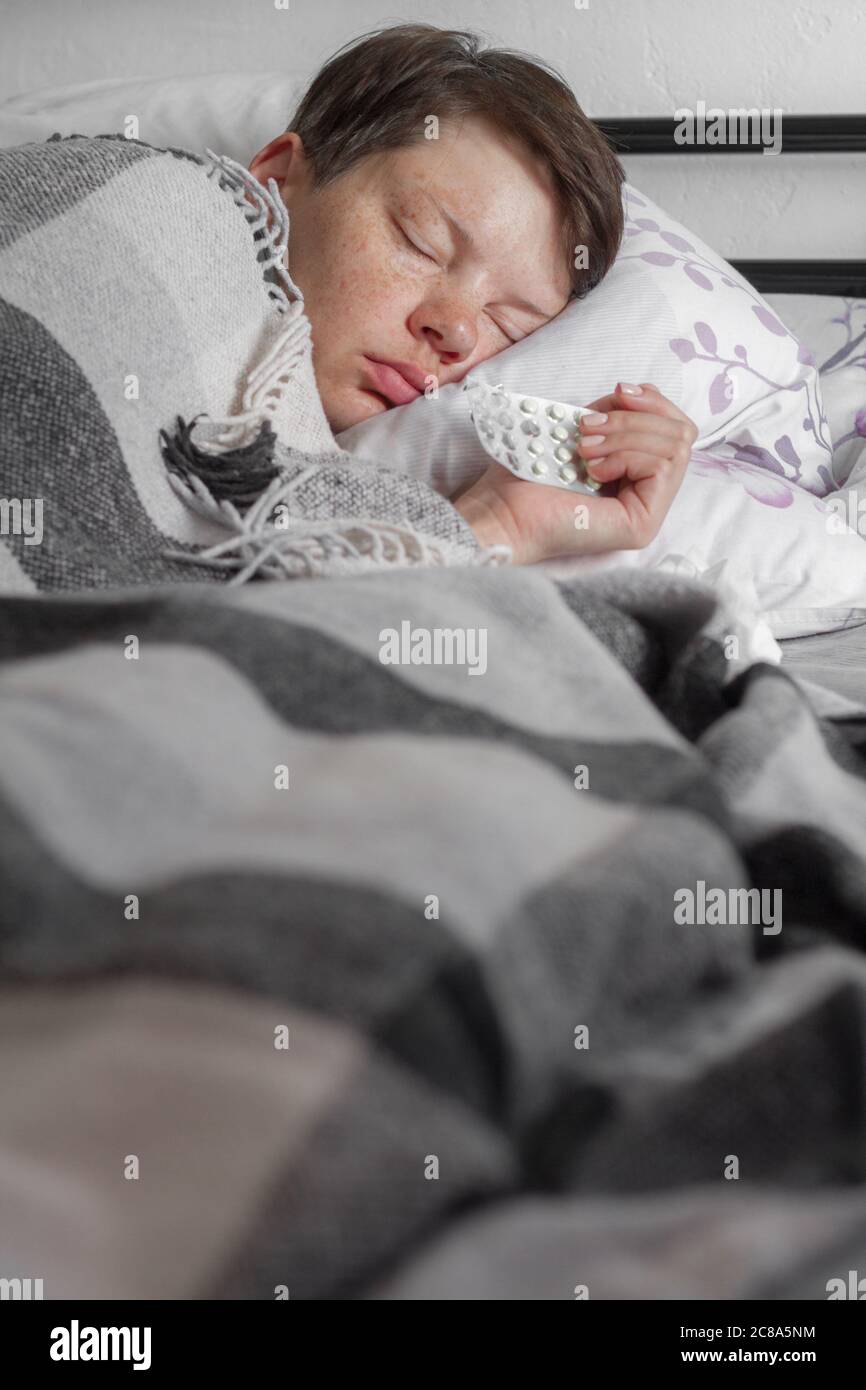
(159, 416)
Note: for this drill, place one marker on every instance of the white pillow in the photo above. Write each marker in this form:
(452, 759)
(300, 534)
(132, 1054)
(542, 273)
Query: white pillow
(788, 554)
(670, 311)
(229, 112)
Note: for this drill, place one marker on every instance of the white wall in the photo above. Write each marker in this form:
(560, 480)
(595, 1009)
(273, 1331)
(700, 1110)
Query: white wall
(622, 57)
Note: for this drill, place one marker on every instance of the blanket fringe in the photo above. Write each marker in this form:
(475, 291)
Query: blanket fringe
(262, 548)
(268, 221)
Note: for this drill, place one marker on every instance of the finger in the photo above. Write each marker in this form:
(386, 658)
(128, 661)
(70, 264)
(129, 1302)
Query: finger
(613, 400)
(623, 427)
(604, 404)
(648, 441)
(638, 397)
(633, 464)
(626, 405)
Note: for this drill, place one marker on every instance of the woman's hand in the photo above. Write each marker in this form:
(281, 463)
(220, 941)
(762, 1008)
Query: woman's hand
(641, 449)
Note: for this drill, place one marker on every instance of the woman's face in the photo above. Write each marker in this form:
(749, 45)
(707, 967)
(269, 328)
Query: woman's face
(431, 258)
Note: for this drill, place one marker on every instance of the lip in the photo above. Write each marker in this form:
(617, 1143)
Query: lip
(398, 382)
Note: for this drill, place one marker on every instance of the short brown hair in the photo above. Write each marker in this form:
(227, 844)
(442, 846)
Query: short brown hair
(377, 91)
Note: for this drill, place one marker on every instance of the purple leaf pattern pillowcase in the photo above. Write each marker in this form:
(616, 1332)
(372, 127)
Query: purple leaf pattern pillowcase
(742, 366)
(835, 329)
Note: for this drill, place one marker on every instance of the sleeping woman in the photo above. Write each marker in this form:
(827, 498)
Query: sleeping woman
(445, 202)
(171, 392)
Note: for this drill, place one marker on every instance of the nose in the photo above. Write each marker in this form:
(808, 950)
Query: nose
(448, 327)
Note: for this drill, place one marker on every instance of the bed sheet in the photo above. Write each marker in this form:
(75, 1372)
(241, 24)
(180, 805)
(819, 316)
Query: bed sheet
(836, 661)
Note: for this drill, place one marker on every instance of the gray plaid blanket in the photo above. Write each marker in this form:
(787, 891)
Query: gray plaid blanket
(448, 934)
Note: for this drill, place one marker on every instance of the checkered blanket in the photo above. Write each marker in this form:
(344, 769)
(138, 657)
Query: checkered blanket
(324, 974)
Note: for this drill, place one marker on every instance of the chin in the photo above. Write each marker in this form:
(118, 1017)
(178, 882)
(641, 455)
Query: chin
(353, 407)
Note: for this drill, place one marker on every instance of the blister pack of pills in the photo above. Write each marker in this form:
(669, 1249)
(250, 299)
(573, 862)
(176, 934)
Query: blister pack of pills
(534, 439)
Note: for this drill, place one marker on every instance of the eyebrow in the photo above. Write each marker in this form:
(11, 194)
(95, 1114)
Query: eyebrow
(463, 234)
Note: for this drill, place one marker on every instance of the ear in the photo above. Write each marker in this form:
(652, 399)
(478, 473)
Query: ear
(283, 159)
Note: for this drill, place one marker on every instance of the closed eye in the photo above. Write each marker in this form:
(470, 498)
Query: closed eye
(414, 245)
(504, 331)
(428, 256)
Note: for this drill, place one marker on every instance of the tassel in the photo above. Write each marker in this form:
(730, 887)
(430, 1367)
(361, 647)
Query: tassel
(238, 476)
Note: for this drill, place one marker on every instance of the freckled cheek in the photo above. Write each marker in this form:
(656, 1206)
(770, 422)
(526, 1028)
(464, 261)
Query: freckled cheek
(376, 262)
(370, 283)
(364, 293)
(380, 314)
(360, 272)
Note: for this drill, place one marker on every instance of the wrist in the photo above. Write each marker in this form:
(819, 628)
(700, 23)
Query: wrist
(489, 519)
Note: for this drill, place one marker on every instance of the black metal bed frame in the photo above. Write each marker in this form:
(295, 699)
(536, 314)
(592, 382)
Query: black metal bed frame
(800, 135)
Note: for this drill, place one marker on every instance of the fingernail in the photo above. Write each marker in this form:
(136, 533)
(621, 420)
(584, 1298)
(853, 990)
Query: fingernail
(593, 417)
(591, 439)
(630, 390)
